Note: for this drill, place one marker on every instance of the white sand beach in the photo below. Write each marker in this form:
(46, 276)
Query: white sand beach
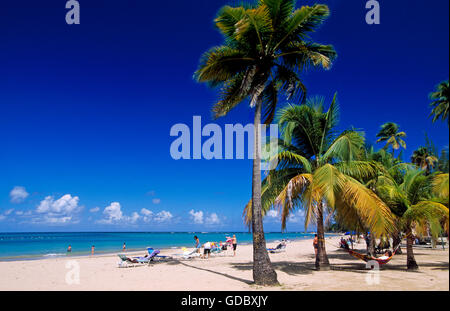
(295, 269)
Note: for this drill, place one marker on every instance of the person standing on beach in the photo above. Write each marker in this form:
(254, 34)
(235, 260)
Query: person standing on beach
(206, 249)
(315, 244)
(197, 243)
(124, 247)
(234, 244)
(69, 249)
(92, 250)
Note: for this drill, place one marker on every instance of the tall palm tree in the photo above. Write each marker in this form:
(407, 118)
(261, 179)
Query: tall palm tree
(424, 159)
(267, 46)
(389, 133)
(440, 101)
(319, 171)
(422, 212)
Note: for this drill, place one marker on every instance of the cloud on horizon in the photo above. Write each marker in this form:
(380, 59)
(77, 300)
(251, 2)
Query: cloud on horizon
(18, 194)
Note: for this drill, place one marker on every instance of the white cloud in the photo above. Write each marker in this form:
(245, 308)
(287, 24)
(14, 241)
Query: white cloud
(197, 217)
(60, 211)
(146, 212)
(134, 217)
(9, 211)
(156, 201)
(212, 219)
(163, 216)
(2, 217)
(272, 213)
(65, 205)
(20, 213)
(18, 194)
(94, 210)
(297, 217)
(113, 213)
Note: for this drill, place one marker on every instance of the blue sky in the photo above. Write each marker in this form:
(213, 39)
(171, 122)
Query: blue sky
(86, 110)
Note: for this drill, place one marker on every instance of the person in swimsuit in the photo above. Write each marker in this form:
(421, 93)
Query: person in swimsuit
(197, 243)
(124, 247)
(92, 250)
(316, 243)
(234, 244)
(69, 249)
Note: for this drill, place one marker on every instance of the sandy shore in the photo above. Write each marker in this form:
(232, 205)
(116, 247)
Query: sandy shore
(295, 269)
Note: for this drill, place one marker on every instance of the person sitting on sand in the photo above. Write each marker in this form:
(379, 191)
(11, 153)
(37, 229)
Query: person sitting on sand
(343, 243)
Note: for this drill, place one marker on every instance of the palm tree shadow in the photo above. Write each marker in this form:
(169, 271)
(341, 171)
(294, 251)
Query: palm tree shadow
(288, 267)
(248, 282)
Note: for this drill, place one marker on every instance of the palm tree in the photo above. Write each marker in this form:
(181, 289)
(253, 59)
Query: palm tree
(389, 133)
(422, 212)
(440, 101)
(267, 46)
(319, 170)
(394, 169)
(424, 159)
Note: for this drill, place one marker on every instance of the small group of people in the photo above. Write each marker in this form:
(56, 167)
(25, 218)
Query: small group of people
(69, 248)
(211, 245)
(346, 243)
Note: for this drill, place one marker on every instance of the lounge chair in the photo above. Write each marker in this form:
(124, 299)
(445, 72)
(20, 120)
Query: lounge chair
(131, 262)
(280, 248)
(154, 255)
(188, 254)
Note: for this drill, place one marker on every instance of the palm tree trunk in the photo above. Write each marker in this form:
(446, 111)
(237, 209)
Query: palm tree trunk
(411, 263)
(322, 262)
(372, 245)
(263, 273)
(397, 240)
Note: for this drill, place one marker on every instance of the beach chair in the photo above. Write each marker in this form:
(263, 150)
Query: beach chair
(155, 255)
(188, 254)
(280, 248)
(131, 262)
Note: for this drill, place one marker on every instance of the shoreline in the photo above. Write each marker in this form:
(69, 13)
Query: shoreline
(74, 255)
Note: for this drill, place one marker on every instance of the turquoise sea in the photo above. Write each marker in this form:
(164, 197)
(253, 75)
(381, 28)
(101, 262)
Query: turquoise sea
(20, 246)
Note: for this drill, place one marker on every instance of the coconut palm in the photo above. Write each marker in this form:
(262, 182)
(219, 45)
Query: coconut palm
(440, 101)
(389, 133)
(320, 171)
(422, 212)
(424, 159)
(394, 169)
(267, 46)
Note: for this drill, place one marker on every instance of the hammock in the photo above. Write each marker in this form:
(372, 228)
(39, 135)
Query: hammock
(367, 258)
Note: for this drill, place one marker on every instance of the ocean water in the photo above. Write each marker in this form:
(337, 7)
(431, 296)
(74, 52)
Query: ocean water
(20, 246)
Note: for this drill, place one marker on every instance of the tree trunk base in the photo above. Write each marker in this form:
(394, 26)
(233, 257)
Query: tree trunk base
(268, 279)
(412, 266)
(322, 266)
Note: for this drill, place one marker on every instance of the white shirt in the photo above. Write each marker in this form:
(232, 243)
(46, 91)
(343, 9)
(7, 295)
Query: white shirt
(207, 245)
